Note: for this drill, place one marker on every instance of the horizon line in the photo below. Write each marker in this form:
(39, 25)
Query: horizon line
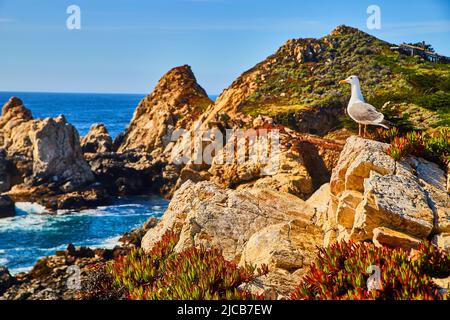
(85, 92)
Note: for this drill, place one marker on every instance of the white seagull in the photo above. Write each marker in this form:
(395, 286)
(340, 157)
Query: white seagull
(360, 111)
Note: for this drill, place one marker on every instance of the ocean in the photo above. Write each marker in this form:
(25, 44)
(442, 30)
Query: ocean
(31, 234)
(81, 109)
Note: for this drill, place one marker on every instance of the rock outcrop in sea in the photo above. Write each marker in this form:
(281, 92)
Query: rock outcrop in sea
(97, 140)
(43, 161)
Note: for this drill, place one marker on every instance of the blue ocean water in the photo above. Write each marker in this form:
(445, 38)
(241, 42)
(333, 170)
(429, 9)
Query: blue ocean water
(81, 109)
(30, 234)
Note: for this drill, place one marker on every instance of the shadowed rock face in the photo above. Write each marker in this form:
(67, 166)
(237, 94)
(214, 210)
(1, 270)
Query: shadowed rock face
(176, 102)
(7, 208)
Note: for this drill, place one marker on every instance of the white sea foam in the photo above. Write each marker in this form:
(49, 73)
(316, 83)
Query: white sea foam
(107, 243)
(30, 207)
(18, 270)
(3, 261)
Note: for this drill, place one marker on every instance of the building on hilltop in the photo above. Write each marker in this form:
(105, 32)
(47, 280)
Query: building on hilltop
(422, 52)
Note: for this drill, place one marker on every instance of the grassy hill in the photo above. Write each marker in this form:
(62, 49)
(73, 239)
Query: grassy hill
(298, 85)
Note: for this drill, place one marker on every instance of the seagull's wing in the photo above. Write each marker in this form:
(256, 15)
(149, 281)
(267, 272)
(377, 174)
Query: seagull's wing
(365, 113)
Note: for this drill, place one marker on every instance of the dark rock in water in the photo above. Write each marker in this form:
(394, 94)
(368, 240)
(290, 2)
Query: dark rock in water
(52, 197)
(91, 197)
(80, 252)
(7, 208)
(127, 173)
(6, 170)
(57, 154)
(6, 280)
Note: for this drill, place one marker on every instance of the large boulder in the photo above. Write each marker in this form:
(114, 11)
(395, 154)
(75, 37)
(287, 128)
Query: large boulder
(250, 226)
(376, 198)
(57, 155)
(45, 150)
(97, 140)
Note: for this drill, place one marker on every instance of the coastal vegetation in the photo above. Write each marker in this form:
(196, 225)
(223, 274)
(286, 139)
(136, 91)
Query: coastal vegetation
(303, 76)
(433, 145)
(196, 273)
(340, 273)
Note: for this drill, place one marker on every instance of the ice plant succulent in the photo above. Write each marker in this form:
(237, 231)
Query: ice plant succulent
(433, 145)
(196, 273)
(339, 272)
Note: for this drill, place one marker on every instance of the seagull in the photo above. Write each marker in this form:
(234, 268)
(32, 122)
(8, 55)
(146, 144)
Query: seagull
(360, 111)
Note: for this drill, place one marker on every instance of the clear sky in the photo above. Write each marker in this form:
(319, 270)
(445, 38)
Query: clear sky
(127, 45)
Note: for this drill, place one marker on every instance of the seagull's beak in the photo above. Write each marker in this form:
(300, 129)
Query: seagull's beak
(343, 82)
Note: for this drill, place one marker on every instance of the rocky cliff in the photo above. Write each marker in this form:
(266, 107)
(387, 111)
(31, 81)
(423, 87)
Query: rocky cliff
(176, 102)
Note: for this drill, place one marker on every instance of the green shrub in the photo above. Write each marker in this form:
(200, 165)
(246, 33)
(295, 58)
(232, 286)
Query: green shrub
(193, 274)
(340, 273)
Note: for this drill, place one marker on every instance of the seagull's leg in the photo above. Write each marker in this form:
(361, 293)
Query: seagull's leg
(365, 130)
(359, 133)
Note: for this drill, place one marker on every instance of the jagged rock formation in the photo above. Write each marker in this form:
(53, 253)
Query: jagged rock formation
(57, 155)
(236, 221)
(44, 160)
(391, 203)
(140, 163)
(175, 103)
(97, 140)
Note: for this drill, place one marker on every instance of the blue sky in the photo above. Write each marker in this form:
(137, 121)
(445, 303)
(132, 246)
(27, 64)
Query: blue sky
(127, 45)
